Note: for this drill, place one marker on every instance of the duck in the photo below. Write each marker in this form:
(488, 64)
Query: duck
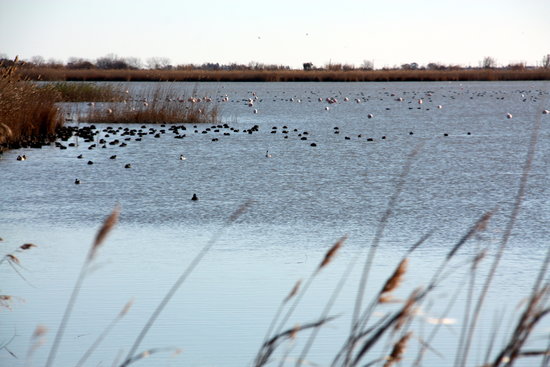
(195, 197)
(267, 155)
(21, 157)
(128, 165)
(182, 157)
(77, 181)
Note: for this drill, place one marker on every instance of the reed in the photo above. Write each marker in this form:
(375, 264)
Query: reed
(28, 114)
(355, 75)
(88, 92)
(107, 226)
(159, 107)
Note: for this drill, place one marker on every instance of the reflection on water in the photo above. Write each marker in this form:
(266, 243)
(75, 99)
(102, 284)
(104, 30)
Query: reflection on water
(304, 198)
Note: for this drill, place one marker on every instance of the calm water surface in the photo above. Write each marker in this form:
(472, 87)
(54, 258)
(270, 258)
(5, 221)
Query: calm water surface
(304, 198)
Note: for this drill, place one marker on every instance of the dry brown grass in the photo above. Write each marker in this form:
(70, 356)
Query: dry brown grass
(157, 108)
(88, 92)
(28, 113)
(196, 75)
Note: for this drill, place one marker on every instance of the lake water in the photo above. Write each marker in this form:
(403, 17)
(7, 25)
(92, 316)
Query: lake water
(303, 199)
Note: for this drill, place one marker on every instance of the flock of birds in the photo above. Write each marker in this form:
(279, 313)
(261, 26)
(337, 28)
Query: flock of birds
(101, 138)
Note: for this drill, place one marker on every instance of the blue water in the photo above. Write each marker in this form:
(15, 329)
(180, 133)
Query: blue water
(303, 198)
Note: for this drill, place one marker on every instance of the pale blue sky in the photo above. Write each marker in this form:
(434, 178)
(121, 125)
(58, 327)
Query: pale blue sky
(387, 32)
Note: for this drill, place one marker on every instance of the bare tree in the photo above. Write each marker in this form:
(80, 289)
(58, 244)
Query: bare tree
(38, 60)
(158, 63)
(111, 61)
(488, 63)
(367, 65)
(79, 63)
(546, 61)
(411, 66)
(133, 62)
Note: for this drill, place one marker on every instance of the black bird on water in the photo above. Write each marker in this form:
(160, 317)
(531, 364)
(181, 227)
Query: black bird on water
(195, 197)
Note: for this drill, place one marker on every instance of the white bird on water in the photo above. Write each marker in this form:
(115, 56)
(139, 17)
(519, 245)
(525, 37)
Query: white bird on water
(267, 155)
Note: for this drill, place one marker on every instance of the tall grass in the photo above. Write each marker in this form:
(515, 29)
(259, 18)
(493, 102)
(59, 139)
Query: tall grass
(158, 107)
(288, 75)
(88, 92)
(28, 114)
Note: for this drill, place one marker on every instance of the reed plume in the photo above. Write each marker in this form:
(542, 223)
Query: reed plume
(108, 224)
(398, 350)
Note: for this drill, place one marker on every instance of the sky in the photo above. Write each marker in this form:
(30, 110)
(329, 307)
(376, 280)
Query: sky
(285, 32)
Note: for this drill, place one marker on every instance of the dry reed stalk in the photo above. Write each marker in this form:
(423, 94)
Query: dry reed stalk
(479, 226)
(332, 252)
(469, 300)
(131, 356)
(518, 199)
(339, 287)
(100, 237)
(271, 345)
(5, 301)
(37, 340)
(397, 277)
(149, 352)
(359, 333)
(443, 320)
(395, 322)
(107, 226)
(294, 291)
(8, 342)
(326, 260)
(27, 246)
(398, 350)
(105, 332)
(535, 310)
(378, 236)
(407, 310)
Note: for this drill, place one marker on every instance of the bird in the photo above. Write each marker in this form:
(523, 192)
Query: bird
(195, 197)
(182, 157)
(509, 115)
(267, 155)
(77, 181)
(128, 165)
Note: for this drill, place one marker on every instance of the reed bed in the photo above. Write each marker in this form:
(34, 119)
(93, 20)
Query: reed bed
(28, 112)
(195, 75)
(158, 107)
(88, 92)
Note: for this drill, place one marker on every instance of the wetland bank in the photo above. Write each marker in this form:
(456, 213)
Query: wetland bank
(358, 180)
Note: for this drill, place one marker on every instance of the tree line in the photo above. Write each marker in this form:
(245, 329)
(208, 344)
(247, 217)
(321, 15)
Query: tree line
(114, 62)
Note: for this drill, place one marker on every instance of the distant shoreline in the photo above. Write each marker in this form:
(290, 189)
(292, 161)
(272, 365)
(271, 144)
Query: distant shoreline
(197, 75)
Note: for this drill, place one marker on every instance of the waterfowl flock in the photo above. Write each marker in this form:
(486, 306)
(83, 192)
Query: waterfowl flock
(382, 108)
